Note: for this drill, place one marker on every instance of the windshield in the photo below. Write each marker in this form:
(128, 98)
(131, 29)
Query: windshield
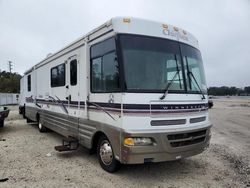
(150, 64)
(193, 68)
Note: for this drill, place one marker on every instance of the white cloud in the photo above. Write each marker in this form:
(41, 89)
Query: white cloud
(29, 29)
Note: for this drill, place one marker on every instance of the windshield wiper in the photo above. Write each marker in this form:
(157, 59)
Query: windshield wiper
(190, 73)
(168, 85)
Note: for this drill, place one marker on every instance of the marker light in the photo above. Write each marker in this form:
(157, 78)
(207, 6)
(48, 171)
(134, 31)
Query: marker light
(165, 26)
(126, 20)
(137, 141)
(176, 28)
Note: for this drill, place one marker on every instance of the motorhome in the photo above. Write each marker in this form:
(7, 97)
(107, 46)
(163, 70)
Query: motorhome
(132, 90)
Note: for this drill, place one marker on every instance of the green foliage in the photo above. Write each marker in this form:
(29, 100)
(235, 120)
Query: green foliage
(9, 82)
(224, 90)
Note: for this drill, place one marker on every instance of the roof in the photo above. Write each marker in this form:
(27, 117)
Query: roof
(129, 25)
(153, 28)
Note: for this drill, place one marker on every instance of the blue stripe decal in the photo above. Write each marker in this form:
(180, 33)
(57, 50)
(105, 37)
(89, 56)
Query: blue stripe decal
(131, 108)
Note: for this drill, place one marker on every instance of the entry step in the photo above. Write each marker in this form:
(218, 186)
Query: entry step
(62, 148)
(68, 144)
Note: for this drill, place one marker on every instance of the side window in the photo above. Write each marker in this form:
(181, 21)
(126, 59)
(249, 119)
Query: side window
(96, 75)
(104, 67)
(57, 76)
(29, 82)
(73, 72)
(110, 72)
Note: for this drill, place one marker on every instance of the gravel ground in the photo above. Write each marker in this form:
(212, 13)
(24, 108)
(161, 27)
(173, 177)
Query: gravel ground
(28, 158)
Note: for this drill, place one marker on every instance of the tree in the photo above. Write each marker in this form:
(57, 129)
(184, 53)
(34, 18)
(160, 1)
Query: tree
(224, 90)
(9, 82)
(247, 90)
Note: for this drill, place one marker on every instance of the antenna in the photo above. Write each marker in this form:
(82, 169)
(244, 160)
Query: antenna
(10, 64)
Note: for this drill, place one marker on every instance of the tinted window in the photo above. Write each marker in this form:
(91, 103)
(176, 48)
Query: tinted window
(150, 64)
(104, 67)
(96, 73)
(29, 82)
(193, 67)
(58, 76)
(73, 72)
(110, 72)
(105, 73)
(102, 48)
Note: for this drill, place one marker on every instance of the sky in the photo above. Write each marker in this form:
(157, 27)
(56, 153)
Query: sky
(31, 29)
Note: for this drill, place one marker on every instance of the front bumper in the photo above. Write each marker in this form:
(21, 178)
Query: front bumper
(168, 146)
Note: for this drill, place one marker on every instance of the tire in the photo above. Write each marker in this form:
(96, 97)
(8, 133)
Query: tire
(20, 110)
(41, 128)
(210, 104)
(106, 156)
(1, 123)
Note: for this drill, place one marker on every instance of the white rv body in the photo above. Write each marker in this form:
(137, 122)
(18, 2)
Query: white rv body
(76, 111)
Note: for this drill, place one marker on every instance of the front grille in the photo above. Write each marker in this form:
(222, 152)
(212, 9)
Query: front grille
(184, 139)
(198, 119)
(168, 122)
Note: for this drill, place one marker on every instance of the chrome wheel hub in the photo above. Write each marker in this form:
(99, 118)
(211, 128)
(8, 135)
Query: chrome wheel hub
(40, 125)
(106, 153)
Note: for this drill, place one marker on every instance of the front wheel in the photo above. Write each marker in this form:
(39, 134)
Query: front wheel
(106, 155)
(41, 128)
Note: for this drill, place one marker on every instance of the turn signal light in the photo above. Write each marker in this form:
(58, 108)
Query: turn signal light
(138, 141)
(129, 142)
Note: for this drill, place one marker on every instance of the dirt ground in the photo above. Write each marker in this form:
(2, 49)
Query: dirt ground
(28, 158)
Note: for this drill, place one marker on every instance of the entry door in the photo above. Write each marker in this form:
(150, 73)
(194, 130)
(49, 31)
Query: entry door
(72, 86)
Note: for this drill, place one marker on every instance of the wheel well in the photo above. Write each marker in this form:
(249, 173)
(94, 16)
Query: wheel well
(95, 141)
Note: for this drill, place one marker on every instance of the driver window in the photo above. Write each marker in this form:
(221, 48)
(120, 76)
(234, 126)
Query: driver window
(104, 67)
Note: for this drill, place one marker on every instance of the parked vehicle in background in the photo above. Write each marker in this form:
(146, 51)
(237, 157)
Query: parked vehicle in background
(132, 90)
(4, 112)
(22, 96)
(210, 103)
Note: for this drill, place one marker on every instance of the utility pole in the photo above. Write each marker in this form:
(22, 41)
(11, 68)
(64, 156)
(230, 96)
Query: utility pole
(10, 65)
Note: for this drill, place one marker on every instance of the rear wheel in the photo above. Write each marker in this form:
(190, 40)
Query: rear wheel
(106, 155)
(20, 110)
(41, 128)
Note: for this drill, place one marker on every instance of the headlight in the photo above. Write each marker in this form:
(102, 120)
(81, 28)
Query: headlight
(137, 141)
